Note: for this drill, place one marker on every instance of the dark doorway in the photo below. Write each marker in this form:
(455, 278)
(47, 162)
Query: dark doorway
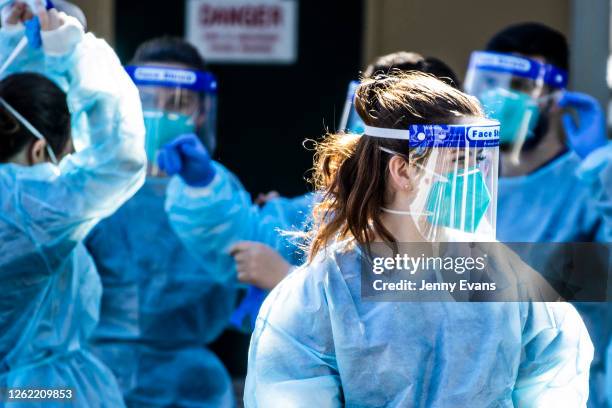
(266, 111)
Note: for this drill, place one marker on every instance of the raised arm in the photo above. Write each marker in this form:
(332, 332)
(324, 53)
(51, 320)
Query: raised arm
(51, 208)
(211, 217)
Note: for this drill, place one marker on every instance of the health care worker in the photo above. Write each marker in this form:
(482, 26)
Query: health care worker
(68, 158)
(161, 307)
(223, 219)
(555, 177)
(425, 170)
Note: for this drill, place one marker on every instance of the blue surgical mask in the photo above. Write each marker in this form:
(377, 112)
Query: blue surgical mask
(511, 108)
(456, 197)
(163, 127)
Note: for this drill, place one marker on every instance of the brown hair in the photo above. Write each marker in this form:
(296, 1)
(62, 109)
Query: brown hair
(351, 171)
(412, 61)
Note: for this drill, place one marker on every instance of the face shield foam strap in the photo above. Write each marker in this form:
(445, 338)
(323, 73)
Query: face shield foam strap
(30, 127)
(482, 134)
(519, 66)
(193, 80)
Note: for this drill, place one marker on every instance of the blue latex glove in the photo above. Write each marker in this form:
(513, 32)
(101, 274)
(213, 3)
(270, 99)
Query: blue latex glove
(245, 316)
(187, 157)
(32, 32)
(32, 28)
(589, 133)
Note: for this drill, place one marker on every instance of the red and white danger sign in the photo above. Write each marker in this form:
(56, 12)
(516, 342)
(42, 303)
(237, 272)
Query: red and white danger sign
(244, 31)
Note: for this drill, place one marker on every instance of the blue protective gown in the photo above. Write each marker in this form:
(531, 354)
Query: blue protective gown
(160, 308)
(553, 204)
(609, 375)
(210, 220)
(222, 214)
(567, 200)
(50, 287)
(316, 344)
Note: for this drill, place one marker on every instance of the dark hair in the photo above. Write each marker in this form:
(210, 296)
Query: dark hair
(532, 39)
(169, 49)
(40, 102)
(411, 61)
(351, 171)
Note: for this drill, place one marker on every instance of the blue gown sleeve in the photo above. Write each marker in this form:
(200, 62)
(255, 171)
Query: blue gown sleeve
(596, 171)
(609, 374)
(555, 359)
(33, 60)
(52, 208)
(28, 60)
(210, 220)
(305, 373)
(289, 215)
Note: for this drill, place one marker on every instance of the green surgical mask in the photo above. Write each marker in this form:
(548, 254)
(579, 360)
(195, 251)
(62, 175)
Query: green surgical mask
(448, 204)
(163, 127)
(511, 108)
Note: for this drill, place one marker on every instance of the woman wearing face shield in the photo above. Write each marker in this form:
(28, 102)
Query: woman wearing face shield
(424, 171)
(221, 218)
(51, 197)
(161, 307)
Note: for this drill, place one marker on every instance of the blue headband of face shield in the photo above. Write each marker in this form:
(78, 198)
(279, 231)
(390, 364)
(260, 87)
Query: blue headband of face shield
(484, 134)
(519, 66)
(193, 80)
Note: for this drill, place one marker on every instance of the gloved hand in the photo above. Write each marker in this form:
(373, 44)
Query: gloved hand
(45, 18)
(32, 32)
(187, 157)
(13, 16)
(589, 133)
(245, 315)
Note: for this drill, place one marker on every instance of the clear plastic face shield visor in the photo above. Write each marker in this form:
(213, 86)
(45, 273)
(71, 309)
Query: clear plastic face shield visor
(175, 102)
(513, 90)
(350, 121)
(453, 172)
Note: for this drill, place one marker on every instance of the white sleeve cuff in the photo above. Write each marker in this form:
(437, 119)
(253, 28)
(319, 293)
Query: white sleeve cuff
(595, 162)
(63, 40)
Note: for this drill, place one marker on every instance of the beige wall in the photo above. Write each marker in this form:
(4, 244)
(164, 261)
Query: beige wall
(451, 29)
(100, 17)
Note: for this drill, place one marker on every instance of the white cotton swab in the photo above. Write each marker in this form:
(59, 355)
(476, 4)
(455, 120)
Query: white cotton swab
(20, 46)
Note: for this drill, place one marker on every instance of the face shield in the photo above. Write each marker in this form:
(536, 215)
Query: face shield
(351, 122)
(513, 90)
(175, 101)
(453, 171)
